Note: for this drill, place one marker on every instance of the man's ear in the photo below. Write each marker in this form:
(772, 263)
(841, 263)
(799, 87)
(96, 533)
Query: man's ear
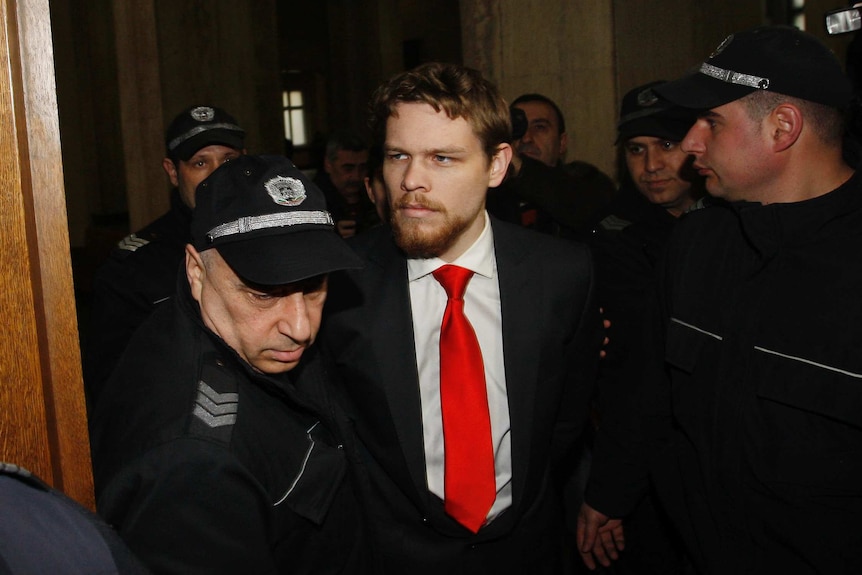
(499, 165)
(171, 170)
(785, 125)
(368, 190)
(196, 271)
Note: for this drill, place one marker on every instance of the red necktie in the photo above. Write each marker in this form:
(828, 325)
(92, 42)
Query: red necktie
(469, 480)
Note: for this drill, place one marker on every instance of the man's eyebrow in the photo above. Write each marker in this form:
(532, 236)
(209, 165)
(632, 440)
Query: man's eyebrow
(708, 114)
(446, 151)
(430, 151)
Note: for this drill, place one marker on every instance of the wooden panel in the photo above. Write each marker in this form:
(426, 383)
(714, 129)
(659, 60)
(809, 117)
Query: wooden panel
(23, 436)
(43, 426)
(140, 110)
(224, 53)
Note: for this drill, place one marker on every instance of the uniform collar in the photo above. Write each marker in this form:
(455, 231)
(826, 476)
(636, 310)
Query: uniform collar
(769, 227)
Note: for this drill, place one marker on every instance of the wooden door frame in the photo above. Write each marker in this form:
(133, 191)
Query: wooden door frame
(43, 425)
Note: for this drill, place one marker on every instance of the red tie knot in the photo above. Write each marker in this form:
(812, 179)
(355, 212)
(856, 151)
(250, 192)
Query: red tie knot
(454, 280)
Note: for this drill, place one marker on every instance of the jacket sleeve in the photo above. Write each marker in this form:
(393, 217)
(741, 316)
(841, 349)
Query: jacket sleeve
(189, 507)
(581, 357)
(573, 430)
(635, 418)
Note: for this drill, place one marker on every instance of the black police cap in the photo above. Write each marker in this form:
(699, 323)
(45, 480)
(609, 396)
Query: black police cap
(779, 59)
(268, 221)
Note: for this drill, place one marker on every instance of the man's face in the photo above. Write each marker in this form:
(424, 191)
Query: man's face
(269, 327)
(346, 172)
(542, 141)
(730, 150)
(661, 171)
(186, 175)
(437, 174)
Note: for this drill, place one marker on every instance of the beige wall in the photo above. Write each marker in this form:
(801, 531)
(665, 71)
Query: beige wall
(585, 54)
(125, 68)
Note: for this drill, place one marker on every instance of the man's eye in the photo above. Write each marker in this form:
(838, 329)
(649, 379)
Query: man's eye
(395, 156)
(262, 296)
(668, 145)
(442, 159)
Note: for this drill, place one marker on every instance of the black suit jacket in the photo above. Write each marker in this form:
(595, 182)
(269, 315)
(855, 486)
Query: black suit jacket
(551, 336)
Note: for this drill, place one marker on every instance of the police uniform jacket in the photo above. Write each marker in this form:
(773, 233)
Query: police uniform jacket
(139, 273)
(750, 411)
(627, 243)
(204, 465)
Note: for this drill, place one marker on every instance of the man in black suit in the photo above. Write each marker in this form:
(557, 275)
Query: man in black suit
(445, 132)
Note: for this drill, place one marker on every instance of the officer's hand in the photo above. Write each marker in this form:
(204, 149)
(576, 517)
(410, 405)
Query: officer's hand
(600, 538)
(346, 228)
(606, 323)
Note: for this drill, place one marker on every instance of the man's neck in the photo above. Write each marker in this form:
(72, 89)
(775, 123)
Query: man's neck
(813, 177)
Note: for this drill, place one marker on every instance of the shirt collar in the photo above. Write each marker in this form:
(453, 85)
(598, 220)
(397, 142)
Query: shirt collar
(479, 257)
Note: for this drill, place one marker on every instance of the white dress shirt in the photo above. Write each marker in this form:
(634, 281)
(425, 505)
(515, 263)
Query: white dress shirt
(482, 308)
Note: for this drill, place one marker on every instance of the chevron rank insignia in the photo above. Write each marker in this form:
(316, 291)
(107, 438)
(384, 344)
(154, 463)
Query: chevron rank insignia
(131, 243)
(614, 223)
(213, 408)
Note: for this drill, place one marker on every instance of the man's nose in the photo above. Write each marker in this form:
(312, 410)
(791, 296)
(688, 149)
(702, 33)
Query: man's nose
(654, 161)
(413, 178)
(295, 319)
(693, 142)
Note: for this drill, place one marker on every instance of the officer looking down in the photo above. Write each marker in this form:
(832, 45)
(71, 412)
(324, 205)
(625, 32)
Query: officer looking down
(216, 444)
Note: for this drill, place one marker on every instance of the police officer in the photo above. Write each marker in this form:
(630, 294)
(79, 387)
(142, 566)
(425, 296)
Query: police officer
(216, 445)
(658, 185)
(141, 270)
(748, 416)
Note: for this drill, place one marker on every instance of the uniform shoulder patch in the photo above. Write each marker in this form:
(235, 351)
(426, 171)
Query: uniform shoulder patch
(214, 408)
(131, 243)
(614, 223)
(216, 401)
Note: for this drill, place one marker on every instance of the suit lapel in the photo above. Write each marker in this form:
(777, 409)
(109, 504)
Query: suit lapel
(518, 291)
(393, 335)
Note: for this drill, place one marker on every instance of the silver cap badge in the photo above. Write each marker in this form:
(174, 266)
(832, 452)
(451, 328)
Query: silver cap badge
(285, 191)
(203, 113)
(646, 98)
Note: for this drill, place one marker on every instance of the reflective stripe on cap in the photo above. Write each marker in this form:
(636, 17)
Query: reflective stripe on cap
(200, 129)
(732, 77)
(254, 223)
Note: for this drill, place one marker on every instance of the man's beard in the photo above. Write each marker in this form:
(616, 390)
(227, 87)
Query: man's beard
(420, 239)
